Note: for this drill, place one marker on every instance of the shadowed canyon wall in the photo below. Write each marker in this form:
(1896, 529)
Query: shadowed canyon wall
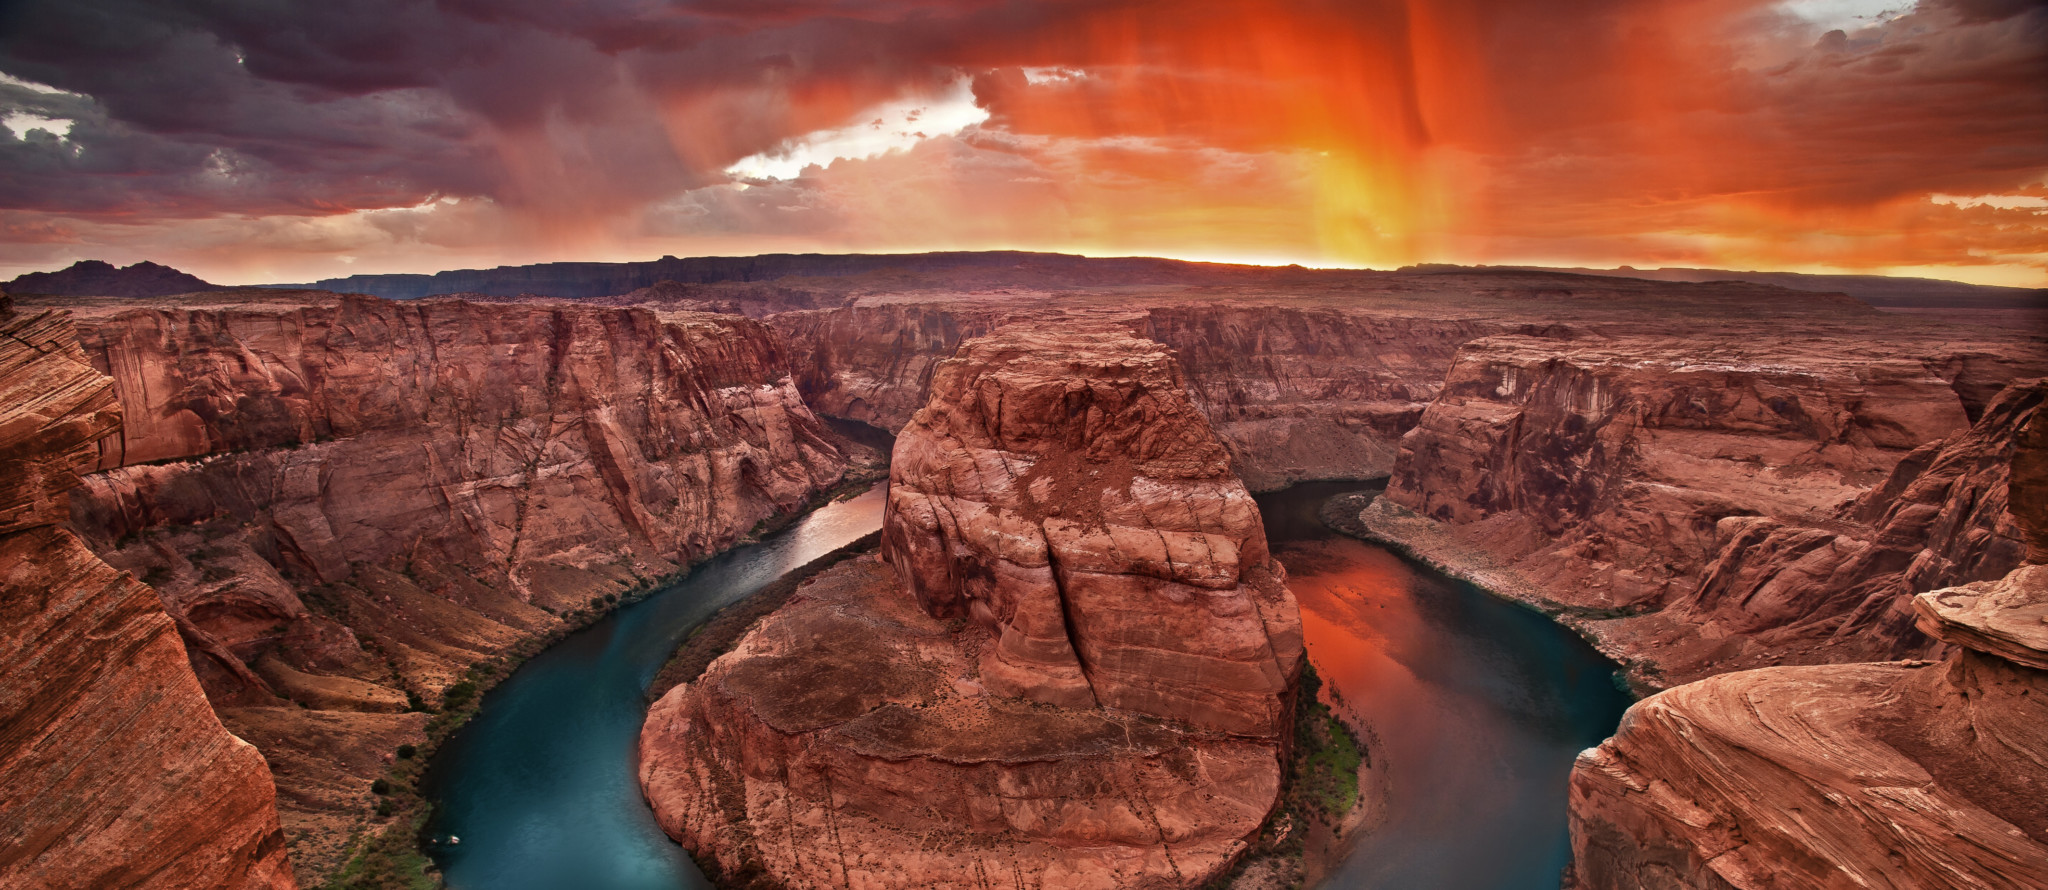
(1073, 670)
(114, 772)
(345, 502)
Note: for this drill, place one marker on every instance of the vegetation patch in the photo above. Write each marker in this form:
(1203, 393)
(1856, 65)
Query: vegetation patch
(1321, 790)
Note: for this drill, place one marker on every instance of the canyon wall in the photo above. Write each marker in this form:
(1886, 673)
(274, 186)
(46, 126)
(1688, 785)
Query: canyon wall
(1706, 506)
(1898, 775)
(1074, 668)
(345, 502)
(1297, 392)
(114, 771)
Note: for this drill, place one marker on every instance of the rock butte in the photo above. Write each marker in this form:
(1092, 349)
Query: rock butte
(1899, 775)
(1074, 669)
(114, 772)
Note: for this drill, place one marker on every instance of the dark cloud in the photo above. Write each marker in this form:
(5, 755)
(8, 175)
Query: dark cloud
(1573, 120)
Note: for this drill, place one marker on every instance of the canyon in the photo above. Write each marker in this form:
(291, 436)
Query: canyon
(117, 773)
(1901, 774)
(343, 505)
(1071, 665)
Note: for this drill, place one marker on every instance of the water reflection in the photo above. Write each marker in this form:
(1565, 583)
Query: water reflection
(1478, 707)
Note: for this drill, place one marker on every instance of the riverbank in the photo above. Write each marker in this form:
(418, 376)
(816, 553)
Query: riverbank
(717, 635)
(391, 852)
(1372, 518)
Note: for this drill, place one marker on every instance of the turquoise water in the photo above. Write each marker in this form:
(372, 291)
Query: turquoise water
(542, 786)
(1478, 707)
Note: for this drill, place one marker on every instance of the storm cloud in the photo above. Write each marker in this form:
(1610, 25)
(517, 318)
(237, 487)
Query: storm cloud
(249, 140)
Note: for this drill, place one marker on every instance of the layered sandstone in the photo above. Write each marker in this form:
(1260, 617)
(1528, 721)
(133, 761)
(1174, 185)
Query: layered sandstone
(1897, 775)
(114, 771)
(440, 475)
(1707, 506)
(346, 502)
(1073, 670)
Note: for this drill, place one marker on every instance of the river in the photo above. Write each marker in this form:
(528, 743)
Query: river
(1477, 707)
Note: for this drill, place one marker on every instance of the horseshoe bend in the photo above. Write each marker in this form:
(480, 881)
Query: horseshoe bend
(1025, 572)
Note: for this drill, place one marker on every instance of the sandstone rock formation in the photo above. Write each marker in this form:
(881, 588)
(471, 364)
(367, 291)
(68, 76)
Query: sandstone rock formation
(345, 502)
(1897, 775)
(1716, 505)
(1074, 670)
(114, 772)
(441, 475)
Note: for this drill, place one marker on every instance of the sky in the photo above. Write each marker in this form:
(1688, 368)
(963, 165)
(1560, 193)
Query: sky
(249, 141)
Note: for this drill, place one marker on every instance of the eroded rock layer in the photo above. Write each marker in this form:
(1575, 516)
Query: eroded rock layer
(1709, 508)
(1061, 489)
(114, 772)
(1898, 775)
(345, 502)
(1072, 671)
(443, 475)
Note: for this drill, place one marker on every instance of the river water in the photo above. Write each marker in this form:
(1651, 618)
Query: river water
(1476, 706)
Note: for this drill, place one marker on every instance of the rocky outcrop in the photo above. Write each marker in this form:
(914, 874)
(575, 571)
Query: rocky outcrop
(114, 772)
(1712, 506)
(346, 502)
(1074, 669)
(1061, 490)
(1898, 775)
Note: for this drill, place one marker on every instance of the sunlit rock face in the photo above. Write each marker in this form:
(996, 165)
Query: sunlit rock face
(1897, 775)
(1061, 489)
(114, 772)
(1713, 505)
(1072, 670)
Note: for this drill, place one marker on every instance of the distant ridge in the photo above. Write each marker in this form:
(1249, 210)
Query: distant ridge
(1882, 291)
(93, 278)
(1028, 269)
(584, 280)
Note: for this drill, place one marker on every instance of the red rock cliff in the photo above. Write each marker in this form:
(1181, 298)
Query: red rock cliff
(1899, 775)
(114, 771)
(344, 501)
(1065, 535)
(1707, 506)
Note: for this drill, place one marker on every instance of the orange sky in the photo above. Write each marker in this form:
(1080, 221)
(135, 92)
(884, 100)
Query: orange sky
(1720, 133)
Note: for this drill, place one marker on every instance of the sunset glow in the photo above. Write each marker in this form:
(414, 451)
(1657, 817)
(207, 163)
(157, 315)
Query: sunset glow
(251, 145)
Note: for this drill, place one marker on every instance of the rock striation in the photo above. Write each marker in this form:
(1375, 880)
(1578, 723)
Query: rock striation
(114, 772)
(345, 502)
(1073, 670)
(1712, 506)
(1897, 775)
(438, 475)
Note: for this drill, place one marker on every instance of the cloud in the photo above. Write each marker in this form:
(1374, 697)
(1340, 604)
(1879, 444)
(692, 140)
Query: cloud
(1382, 131)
